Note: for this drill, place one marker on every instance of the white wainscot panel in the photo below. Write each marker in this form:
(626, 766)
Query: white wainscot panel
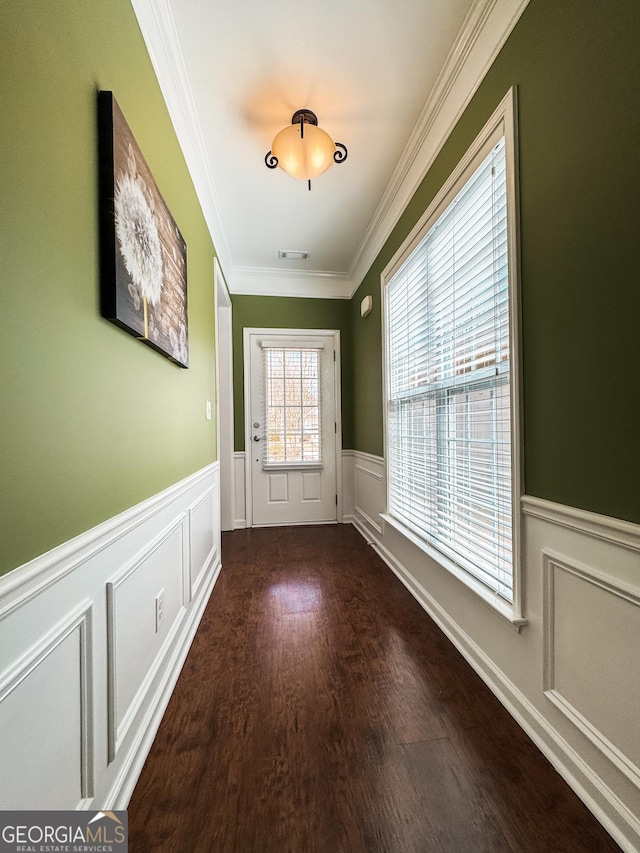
(347, 485)
(368, 490)
(240, 512)
(592, 673)
(203, 544)
(138, 637)
(44, 701)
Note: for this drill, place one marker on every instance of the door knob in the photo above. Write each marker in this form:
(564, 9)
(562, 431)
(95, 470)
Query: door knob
(256, 438)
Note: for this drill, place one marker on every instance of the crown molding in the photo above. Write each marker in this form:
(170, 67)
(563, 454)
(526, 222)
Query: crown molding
(158, 29)
(482, 35)
(484, 31)
(310, 284)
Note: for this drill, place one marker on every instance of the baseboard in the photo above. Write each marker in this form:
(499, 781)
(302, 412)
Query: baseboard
(564, 758)
(582, 595)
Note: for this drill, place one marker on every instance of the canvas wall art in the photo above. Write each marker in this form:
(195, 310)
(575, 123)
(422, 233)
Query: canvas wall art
(143, 287)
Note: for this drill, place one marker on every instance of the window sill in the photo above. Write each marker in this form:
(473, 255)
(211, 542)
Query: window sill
(498, 604)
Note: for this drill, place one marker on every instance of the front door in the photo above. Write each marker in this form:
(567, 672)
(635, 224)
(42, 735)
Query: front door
(291, 426)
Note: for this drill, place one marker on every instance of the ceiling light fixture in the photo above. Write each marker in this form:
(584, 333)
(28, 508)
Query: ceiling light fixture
(303, 149)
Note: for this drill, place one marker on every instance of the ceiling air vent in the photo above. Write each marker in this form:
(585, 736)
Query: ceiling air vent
(291, 255)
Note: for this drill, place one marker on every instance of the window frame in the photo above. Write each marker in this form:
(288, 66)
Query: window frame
(501, 124)
(316, 347)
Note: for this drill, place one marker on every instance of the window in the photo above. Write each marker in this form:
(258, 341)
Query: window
(292, 389)
(449, 375)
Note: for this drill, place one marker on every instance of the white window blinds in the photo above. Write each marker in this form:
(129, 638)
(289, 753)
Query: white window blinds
(448, 375)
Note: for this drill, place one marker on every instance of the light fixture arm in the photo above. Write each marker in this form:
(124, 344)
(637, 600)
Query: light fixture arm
(341, 153)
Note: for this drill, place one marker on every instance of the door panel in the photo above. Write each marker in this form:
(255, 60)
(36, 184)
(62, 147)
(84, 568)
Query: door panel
(292, 439)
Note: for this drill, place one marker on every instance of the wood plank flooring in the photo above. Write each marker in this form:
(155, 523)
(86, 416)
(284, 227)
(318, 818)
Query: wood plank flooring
(320, 710)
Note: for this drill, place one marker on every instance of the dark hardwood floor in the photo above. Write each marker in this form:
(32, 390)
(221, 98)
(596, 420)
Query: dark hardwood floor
(320, 710)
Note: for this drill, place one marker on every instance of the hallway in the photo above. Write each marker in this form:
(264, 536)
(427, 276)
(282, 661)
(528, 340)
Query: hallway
(320, 710)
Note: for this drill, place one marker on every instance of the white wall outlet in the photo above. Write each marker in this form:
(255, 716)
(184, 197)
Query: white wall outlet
(208, 410)
(159, 609)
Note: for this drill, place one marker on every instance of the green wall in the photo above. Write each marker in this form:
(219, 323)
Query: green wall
(91, 421)
(285, 312)
(576, 65)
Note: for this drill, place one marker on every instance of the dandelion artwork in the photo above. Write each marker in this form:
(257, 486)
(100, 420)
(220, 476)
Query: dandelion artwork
(143, 256)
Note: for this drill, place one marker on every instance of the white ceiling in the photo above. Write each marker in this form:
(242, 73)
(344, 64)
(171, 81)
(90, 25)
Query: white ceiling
(386, 77)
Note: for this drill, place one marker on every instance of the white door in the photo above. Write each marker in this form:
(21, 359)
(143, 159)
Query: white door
(291, 423)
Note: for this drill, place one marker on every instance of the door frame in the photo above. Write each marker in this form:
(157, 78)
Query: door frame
(224, 396)
(295, 334)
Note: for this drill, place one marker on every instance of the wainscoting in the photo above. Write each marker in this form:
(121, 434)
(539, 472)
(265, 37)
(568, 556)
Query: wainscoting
(571, 675)
(93, 635)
